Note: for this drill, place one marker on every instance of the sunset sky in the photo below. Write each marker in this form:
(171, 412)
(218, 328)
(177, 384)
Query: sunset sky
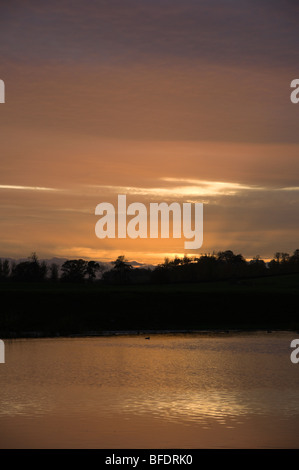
(185, 101)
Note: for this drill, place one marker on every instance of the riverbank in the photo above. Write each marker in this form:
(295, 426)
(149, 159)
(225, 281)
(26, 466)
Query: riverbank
(146, 334)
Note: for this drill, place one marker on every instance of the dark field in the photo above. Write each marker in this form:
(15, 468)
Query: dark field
(50, 309)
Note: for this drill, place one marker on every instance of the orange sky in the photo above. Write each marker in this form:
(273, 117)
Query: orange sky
(159, 102)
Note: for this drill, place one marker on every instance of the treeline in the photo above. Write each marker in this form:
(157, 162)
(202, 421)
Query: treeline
(223, 265)
(33, 270)
(208, 267)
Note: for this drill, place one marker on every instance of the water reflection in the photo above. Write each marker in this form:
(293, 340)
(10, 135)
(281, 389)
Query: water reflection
(221, 406)
(243, 382)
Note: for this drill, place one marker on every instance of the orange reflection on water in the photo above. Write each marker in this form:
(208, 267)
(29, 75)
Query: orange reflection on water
(173, 391)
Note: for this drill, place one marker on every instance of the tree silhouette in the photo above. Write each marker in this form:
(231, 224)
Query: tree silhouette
(54, 276)
(74, 270)
(4, 269)
(121, 264)
(186, 260)
(120, 270)
(92, 268)
(31, 270)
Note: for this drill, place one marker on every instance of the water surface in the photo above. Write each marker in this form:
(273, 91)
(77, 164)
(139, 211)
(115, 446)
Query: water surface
(172, 391)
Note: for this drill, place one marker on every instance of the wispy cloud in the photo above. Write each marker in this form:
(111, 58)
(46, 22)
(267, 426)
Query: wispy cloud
(184, 188)
(27, 188)
(291, 188)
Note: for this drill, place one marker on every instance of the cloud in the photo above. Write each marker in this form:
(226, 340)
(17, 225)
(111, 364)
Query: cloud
(187, 188)
(182, 188)
(291, 188)
(234, 32)
(27, 188)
